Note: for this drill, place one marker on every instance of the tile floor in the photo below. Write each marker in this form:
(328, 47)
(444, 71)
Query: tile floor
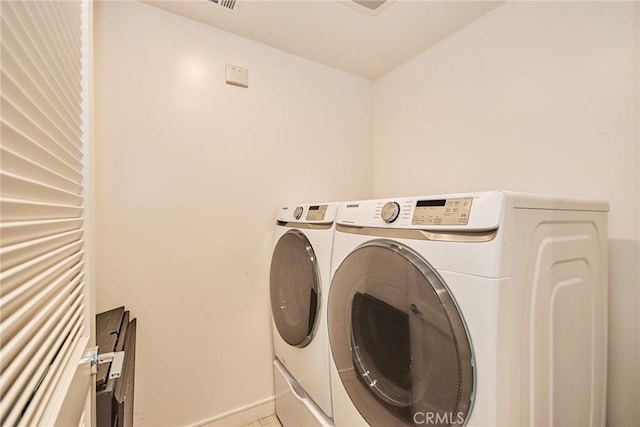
(271, 421)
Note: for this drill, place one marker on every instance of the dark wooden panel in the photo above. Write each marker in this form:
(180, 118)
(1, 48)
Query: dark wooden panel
(114, 397)
(108, 323)
(107, 330)
(123, 332)
(110, 384)
(124, 390)
(104, 408)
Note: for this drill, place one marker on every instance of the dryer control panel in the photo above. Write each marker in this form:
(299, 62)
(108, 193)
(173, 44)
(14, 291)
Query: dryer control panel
(466, 211)
(316, 212)
(324, 213)
(442, 211)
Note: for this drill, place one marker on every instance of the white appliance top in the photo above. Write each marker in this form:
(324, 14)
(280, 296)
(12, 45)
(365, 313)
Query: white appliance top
(320, 213)
(463, 211)
(541, 201)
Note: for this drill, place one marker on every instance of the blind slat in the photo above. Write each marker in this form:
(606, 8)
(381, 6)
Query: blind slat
(21, 69)
(13, 301)
(19, 210)
(32, 66)
(41, 40)
(16, 344)
(20, 144)
(18, 119)
(14, 15)
(25, 373)
(42, 290)
(25, 251)
(20, 317)
(21, 274)
(17, 165)
(38, 404)
(18, 188)
(63, 42)
(21, 231)
(71, 15)
(34, 105)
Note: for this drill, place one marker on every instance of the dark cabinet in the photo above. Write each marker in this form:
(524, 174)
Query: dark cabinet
(115, 331)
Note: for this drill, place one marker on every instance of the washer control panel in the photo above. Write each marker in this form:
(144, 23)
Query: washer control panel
(442, 211)
(316, 212)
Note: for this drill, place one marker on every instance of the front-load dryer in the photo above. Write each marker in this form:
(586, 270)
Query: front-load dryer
(481, 309)
(299, 284)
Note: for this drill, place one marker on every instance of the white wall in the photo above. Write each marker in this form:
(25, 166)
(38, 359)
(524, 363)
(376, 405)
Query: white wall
(189, 174)
(538, 97)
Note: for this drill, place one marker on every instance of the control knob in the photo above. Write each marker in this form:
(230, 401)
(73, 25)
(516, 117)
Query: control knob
(298, 212)
(390, 212)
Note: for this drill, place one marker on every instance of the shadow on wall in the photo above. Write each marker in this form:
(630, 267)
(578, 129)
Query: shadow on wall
(624, 333)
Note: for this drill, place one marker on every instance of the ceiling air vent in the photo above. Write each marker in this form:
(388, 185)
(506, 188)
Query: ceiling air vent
(232, 5)
(370, 7)
(371, 4)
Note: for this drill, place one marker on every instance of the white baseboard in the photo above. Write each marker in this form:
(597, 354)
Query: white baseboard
(241, 416)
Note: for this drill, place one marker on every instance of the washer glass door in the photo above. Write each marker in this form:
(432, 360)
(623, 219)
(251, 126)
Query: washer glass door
(399, 342)
(295, 288)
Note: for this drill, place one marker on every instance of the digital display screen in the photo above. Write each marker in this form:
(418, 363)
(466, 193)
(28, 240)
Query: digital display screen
(316, 212)
(427, 203)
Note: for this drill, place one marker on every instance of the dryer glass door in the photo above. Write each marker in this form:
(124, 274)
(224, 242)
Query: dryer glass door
(295, 288)
(399, 342)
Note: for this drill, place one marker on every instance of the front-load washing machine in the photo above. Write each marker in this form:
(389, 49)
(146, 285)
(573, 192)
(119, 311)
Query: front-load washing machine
(481, 309)
(299, 284)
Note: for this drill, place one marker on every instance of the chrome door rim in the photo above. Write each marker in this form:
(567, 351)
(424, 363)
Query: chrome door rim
(312, 257)
(459, 330)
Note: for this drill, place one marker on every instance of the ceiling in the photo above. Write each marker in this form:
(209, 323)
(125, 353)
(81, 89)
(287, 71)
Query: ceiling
(336, 33)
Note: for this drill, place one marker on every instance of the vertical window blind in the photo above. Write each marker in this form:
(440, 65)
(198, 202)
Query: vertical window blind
(42, 295)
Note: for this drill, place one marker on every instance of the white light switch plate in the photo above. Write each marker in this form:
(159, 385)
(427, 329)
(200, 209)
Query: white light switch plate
(237, 76)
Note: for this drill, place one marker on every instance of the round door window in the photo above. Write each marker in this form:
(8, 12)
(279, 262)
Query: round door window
(399, 342)
(295, 288)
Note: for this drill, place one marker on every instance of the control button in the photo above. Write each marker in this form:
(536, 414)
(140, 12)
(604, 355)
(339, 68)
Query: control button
(298, 212)
(390, 212)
